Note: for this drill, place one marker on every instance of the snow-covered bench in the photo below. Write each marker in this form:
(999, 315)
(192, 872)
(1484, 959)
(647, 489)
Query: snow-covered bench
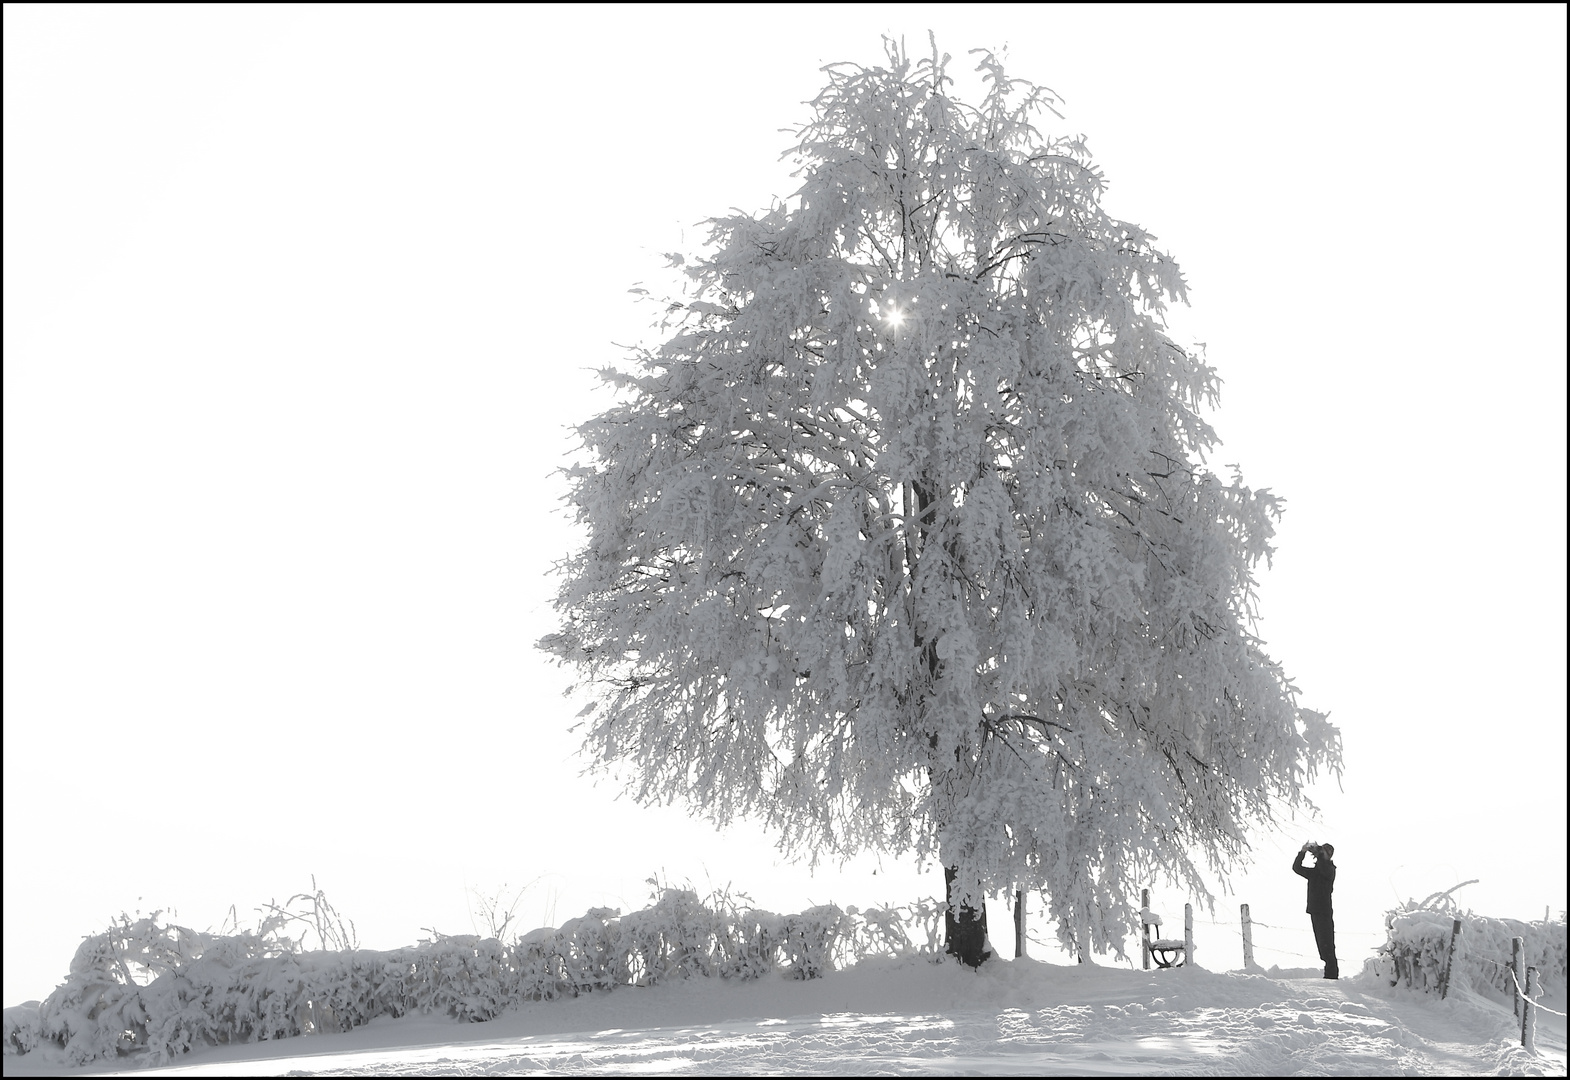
(1167, 952)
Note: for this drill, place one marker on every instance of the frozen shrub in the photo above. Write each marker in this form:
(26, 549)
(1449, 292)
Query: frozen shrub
(916, 930)
(1416, 947)
(21, 1031)
(91, 1019)
(880, 931)
(590, 947)
(148, 987)
(810, 940)
(1418, 943)
(754, 943)
(100, 1010)
(653, 937)
(542, 972)
(473, 980)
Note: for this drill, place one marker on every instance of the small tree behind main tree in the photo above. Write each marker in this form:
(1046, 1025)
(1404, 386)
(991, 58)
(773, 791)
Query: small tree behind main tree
(903, 539)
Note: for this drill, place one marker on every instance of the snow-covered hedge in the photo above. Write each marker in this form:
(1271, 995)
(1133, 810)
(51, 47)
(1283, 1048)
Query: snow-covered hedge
(1418, 940)
(145, 986)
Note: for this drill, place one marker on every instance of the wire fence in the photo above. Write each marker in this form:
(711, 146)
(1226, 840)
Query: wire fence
(1296, 934)
(1249, 943)
(1510, 970)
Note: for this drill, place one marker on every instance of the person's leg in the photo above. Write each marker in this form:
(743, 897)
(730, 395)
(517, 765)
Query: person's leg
(1325, 938)
(1332, 969)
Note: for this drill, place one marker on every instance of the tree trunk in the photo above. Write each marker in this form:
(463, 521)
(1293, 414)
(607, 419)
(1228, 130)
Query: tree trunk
(965, 929)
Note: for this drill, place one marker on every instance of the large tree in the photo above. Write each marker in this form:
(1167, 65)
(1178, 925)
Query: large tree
(903, 538)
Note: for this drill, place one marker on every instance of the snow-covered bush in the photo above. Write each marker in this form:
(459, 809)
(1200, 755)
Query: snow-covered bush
(147, 986)
(1419, 940)
(591, 950)
(21, 1028)
(881, 931)
(669, 938)
(810, 940)
(898, 931)
(756, 937)
(471, 979)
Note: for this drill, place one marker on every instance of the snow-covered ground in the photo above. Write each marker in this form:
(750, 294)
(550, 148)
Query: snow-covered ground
(913, 1017)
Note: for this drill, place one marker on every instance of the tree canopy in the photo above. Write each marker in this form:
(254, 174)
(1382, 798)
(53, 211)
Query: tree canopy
(903, 537)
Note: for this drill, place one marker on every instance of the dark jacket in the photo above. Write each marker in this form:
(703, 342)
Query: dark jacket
(1321, 880)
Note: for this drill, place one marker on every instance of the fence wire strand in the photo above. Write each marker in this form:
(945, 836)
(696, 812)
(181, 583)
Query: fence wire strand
(1511, 972)
(1236, 931)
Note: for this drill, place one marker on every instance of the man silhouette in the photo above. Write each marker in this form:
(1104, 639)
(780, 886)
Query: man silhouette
(1321, 881)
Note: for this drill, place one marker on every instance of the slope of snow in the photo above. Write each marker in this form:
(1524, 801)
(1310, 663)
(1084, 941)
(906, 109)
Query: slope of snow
(911, 1016)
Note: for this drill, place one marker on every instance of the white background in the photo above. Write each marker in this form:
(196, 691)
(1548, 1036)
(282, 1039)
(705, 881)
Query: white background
(299, 303)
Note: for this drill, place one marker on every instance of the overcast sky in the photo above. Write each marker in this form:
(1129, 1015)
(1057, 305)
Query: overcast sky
(300, 301)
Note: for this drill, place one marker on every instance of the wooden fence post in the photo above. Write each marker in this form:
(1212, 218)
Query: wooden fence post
(1144, 935)
(1019, 923)
(1188, 934)
(1516, 973)
(1528, 1017)
(1248, 941)
(1444, 976)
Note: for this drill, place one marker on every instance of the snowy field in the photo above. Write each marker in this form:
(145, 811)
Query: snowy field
(912, 1017)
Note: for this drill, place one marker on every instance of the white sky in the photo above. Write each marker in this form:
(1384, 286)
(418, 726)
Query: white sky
(298, 303)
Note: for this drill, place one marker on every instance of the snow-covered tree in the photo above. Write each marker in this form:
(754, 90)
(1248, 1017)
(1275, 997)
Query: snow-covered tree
(903, 537)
